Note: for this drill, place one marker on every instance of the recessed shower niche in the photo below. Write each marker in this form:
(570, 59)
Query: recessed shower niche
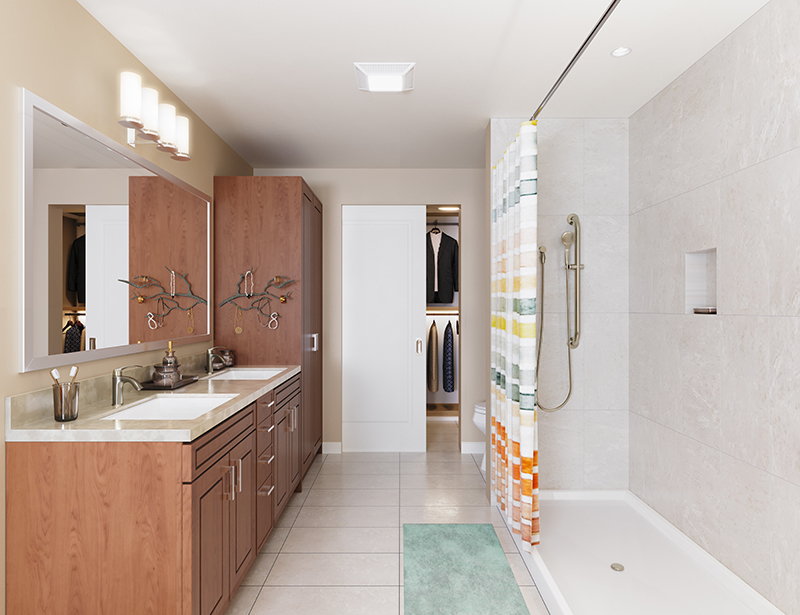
(701, 282)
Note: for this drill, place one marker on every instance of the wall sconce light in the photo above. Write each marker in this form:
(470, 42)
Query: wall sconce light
(148, 121)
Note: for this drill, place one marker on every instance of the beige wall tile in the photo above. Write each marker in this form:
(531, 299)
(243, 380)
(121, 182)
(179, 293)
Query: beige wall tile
(784, 417)
(784, 219)
(606, 449)
(605, 256)
(701, 356)
(784, 74)
(784, 589)
(606, 361)
(701, 485)
(606, 167)
(561, 450)
(561, 170)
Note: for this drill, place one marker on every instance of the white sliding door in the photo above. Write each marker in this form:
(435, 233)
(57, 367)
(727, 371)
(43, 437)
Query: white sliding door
(383, 328)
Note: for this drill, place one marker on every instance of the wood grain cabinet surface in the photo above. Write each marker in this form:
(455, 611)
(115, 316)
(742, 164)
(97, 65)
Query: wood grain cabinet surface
(134, 527)
(274, 226)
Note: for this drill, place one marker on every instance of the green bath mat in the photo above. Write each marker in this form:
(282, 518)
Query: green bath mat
(457, 569)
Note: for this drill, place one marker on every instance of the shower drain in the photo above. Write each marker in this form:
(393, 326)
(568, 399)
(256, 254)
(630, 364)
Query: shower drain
(617, 567)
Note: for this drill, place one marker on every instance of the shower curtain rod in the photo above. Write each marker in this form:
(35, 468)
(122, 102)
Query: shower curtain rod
(575, 59)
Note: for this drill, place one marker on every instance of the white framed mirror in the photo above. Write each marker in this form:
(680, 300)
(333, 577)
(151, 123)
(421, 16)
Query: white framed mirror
(95, 213)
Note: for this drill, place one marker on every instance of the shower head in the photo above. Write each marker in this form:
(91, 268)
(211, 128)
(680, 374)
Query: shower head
(568, 239)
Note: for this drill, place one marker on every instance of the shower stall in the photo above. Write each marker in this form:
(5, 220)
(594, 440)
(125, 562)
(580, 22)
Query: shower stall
(604, 547)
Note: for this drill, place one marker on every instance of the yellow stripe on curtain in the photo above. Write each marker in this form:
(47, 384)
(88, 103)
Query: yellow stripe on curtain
(514, 438)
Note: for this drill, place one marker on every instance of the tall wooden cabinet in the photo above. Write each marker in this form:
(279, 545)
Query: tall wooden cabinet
(274, 226)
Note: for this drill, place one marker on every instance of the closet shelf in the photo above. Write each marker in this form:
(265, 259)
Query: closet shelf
(448, 311)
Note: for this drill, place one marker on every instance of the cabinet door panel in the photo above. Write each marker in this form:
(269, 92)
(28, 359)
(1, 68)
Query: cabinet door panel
(282, 445)
(295, 452)
(243, 509)
(209, 494)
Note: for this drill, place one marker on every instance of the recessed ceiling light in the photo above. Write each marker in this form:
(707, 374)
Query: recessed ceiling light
(620, 52)
(384, 76)
(449, 208)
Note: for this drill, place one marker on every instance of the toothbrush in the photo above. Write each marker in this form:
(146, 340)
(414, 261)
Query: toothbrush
(55, 376)
(73, 372)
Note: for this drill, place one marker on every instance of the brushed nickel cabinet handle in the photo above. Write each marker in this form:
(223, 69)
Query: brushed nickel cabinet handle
(270, 404)
(262, 491)
(314, 342)
(419, 345)
(265, 460)
(239, 475)
(231, 495)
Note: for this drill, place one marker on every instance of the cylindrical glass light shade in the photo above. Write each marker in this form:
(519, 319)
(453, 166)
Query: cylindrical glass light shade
(150, 114)
(130, 100)
(182, 138)
(166, 128)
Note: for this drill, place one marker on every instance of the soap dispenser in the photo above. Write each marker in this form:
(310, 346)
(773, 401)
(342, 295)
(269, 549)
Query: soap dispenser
(168, 373)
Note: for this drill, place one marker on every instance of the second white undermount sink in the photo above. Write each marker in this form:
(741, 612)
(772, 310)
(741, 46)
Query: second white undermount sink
(248, 373)
(183, 407)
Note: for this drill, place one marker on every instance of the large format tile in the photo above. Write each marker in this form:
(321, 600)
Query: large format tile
(335, 569)
(433, 457)
(519, 569)
(606, 167)
(362, 458)
(276, 539)
(353, 497)
(561, 450)
(450, 514)
(343, 540)
(605, 255)
(357, 481)
(441, 481)
(287, 517)
(243, 601)
(347, 516)
(784, 248)
(784, 416)
(434, 467)
(260, 569)
(561, 176)
(701, 364)
(785, 546)
(534, 601)
(443, 497)
(700, 505)
(784, 74)
(606, 361)
(606, 449)
(328, 600)
(385, 469)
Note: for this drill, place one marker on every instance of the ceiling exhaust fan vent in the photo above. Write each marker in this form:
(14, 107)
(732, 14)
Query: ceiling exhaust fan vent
(385, 76)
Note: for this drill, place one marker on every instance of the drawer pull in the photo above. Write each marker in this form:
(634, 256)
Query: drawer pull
(270, 404)
(262, 429)
(266, 493)
(265, 460)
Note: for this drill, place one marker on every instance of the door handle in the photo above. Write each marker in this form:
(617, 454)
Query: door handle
(239, 475)
(314, 342)
(419, 345)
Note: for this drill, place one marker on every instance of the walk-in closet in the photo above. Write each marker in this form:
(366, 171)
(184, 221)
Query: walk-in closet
(443, 328)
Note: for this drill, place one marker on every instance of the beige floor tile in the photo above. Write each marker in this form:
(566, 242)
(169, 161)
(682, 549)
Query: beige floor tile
(298, 499)
(288, 516)
(440, 436)
(449, 514)
(348, 516)
(357, 481)
(533, 600)
(328, 601)
(436, 467)
(361, 468)
(275, 540)
(243, 601)
(442, 447)
(443, 497)
(506, 540)
(402, 600)
(441, 481)
(362, 458)
(519, 569)
(353, 497)
(433, 457)
(335, 569)
(402, 571)
(343, 540)
(260, 569)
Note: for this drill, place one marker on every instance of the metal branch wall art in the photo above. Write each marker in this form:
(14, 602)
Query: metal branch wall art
(165, 299)
(257, 301)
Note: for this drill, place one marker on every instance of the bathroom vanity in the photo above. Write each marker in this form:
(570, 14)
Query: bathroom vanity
(117, 515)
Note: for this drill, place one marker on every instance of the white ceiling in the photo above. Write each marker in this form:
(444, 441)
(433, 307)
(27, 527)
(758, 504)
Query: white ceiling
(276, 81)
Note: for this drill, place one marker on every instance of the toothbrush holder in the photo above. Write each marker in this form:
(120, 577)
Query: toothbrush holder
(65, 401)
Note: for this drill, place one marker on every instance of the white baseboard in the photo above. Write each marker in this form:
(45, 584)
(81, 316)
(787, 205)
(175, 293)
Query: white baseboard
(331, 448)
(473, 448)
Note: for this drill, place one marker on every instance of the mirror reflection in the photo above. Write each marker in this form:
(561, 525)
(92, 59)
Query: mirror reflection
(116, 253)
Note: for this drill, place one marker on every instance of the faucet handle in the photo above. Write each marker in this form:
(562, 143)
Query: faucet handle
(211, 350)
(118, 370)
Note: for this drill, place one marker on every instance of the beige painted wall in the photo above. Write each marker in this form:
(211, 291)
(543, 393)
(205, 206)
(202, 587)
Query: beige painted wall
(337, 187)
(55, 49)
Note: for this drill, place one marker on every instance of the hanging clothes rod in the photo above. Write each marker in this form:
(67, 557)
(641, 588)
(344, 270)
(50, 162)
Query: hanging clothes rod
(575, 59)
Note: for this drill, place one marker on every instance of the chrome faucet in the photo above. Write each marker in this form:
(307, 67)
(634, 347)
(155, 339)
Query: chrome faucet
(118, 381)
(210, 358)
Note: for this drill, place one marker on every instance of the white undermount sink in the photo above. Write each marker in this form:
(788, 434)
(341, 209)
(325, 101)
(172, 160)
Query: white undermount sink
(183, 407)
(248, 373)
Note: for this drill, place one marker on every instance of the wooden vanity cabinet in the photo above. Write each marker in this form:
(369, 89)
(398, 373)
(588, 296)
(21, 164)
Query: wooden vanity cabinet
(274, 226)
(220, 498)
(265, 468)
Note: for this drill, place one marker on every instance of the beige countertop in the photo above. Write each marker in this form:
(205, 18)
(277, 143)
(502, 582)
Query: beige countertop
(24, 424)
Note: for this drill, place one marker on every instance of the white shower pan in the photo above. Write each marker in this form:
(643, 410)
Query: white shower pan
(584, 532)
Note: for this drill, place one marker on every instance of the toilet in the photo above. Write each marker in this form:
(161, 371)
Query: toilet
(479, 418)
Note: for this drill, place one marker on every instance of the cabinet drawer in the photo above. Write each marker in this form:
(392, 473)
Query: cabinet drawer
(286, 390)
(265, 433)
(202, 453)
(265, 406)
(265, 464)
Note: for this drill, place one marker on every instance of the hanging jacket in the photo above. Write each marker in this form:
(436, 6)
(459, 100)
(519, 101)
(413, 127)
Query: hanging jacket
(446, 270)
(448, 360)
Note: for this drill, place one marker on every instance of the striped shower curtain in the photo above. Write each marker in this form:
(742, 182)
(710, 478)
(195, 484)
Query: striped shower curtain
(515, 463)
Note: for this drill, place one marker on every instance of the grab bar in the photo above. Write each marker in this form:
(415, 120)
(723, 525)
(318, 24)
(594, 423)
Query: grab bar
(577, 267)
